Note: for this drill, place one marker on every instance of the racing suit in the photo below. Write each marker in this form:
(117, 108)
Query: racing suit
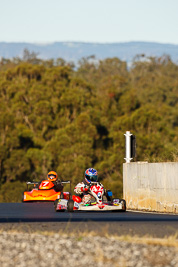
(81, 190)
(58, 186)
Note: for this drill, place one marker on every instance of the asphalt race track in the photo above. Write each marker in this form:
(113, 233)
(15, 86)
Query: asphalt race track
(42, 216)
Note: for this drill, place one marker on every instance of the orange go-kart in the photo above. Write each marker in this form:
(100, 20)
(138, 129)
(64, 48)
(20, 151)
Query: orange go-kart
(43, 191)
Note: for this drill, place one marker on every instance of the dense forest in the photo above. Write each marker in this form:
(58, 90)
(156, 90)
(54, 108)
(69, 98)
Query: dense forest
(56, 116)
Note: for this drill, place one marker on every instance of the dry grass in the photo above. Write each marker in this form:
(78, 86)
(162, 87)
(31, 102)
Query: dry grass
(170, 241)
(175, 155)
(101, 258)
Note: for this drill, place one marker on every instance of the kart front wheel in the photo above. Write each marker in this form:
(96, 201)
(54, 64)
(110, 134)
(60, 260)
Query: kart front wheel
(70, 205)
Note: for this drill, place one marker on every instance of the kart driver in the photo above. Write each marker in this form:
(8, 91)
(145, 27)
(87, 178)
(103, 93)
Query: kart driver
(53, 177)
(81, 189)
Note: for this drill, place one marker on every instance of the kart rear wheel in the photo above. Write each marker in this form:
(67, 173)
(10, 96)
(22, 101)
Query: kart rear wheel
(123, 202)
(55, 204)
(70, 205)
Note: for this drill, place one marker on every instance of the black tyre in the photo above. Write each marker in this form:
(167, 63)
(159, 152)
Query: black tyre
(123, 202)
(70, 205)
(55, 204)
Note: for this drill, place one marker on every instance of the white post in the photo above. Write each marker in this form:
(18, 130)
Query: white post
(128, 146)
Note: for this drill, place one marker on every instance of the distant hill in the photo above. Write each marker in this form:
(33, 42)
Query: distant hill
(73, 51)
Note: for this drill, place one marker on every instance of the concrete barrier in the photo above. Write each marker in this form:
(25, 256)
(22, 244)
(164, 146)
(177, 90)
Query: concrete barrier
(151, 186)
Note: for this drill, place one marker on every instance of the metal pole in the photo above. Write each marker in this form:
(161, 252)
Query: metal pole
(128, 146)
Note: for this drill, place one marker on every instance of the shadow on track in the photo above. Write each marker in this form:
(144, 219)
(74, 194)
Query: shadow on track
(44, 212)
(90, 218)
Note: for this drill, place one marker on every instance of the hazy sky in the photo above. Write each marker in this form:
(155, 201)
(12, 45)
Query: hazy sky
(44, 21)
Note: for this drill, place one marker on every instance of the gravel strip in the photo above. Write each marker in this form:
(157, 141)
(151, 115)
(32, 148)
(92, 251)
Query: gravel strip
(24, 249)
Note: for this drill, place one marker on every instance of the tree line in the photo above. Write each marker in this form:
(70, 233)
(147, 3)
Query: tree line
(66, 118)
